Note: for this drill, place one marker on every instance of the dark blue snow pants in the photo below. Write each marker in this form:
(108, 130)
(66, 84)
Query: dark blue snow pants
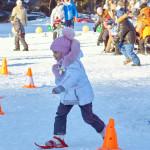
(69, 23)
(88, 116)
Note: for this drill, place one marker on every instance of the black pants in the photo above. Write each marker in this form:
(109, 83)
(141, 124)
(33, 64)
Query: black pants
(69, 23)
(88, 116)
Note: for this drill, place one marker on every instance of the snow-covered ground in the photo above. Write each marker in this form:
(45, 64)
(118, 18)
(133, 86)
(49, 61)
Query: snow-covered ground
(121, 92)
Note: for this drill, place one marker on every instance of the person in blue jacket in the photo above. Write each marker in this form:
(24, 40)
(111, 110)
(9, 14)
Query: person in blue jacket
(70, 11)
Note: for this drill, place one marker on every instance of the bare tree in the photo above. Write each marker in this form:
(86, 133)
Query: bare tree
(94, 3)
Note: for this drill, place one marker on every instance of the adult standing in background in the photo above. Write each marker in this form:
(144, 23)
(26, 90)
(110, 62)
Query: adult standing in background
(20, 12)
(70, 11)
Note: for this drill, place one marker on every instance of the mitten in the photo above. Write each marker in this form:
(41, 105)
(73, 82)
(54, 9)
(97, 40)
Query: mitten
(58, 89)
(94, 29)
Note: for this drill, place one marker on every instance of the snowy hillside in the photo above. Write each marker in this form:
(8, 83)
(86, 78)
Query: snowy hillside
(121, 92)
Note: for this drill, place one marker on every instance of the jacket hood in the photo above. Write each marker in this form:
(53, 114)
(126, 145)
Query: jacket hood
(144, 20)
(123, 17)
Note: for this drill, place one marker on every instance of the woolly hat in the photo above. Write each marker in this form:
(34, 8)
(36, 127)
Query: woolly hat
(59, 3)
(122, 4)
(135, 11)
(99, 10)
(67, 45)
(63, 44)
(130, 14)
(18, 1)
(132, 2)
(119, 13)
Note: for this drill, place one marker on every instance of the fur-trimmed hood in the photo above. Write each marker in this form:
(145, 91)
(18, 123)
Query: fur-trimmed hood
(122, 18)
(68, 46)
(73, 54)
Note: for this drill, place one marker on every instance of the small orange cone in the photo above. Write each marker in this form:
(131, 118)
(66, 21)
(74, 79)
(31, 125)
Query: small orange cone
(110, 140)
(29, 81)
(1, 113)
(4, 70)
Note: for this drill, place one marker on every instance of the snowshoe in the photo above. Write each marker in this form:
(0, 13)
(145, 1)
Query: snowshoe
(52, 144)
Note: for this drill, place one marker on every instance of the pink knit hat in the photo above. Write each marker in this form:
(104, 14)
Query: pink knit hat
(63, 44)
(99, 10)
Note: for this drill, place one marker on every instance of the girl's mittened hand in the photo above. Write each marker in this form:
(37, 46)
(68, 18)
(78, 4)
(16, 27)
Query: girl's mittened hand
(54, 92)
(55, 67)
(58, 89)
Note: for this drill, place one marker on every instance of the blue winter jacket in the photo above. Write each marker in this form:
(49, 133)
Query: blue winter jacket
(70, 11)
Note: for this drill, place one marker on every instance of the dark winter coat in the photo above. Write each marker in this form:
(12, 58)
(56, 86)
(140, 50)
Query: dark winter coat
(126, 31)
(101, 19)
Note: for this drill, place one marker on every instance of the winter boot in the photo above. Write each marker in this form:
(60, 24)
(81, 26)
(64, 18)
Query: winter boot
(105, 51)
(128, 60)
(136, 65)
(26, 49)
(103, 133)
(98, 43)
(16, 49)
(57, 142)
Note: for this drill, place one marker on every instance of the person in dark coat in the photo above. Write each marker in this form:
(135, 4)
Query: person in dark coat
(126, 37)
(103, 17)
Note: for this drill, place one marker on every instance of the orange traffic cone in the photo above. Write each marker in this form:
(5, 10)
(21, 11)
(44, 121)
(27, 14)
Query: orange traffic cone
(1, 113)
(29, 81)
(4, 70)
(110, 140)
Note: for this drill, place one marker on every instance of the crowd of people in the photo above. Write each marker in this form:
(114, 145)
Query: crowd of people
(124, 24)
(62, 14)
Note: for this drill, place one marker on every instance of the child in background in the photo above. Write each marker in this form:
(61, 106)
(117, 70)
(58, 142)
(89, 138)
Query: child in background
(108, 25)
(20, 33)
(126, 37)
(73, 86)
(57, 19)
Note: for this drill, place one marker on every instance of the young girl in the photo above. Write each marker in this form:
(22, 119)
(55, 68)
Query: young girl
(72, 85)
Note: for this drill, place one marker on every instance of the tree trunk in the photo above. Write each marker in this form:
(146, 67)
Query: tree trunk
(91, 6)
(95, 7)
(49, 4)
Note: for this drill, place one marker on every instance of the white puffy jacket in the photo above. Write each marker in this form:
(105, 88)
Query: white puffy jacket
(78, 89)
(57, 14)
